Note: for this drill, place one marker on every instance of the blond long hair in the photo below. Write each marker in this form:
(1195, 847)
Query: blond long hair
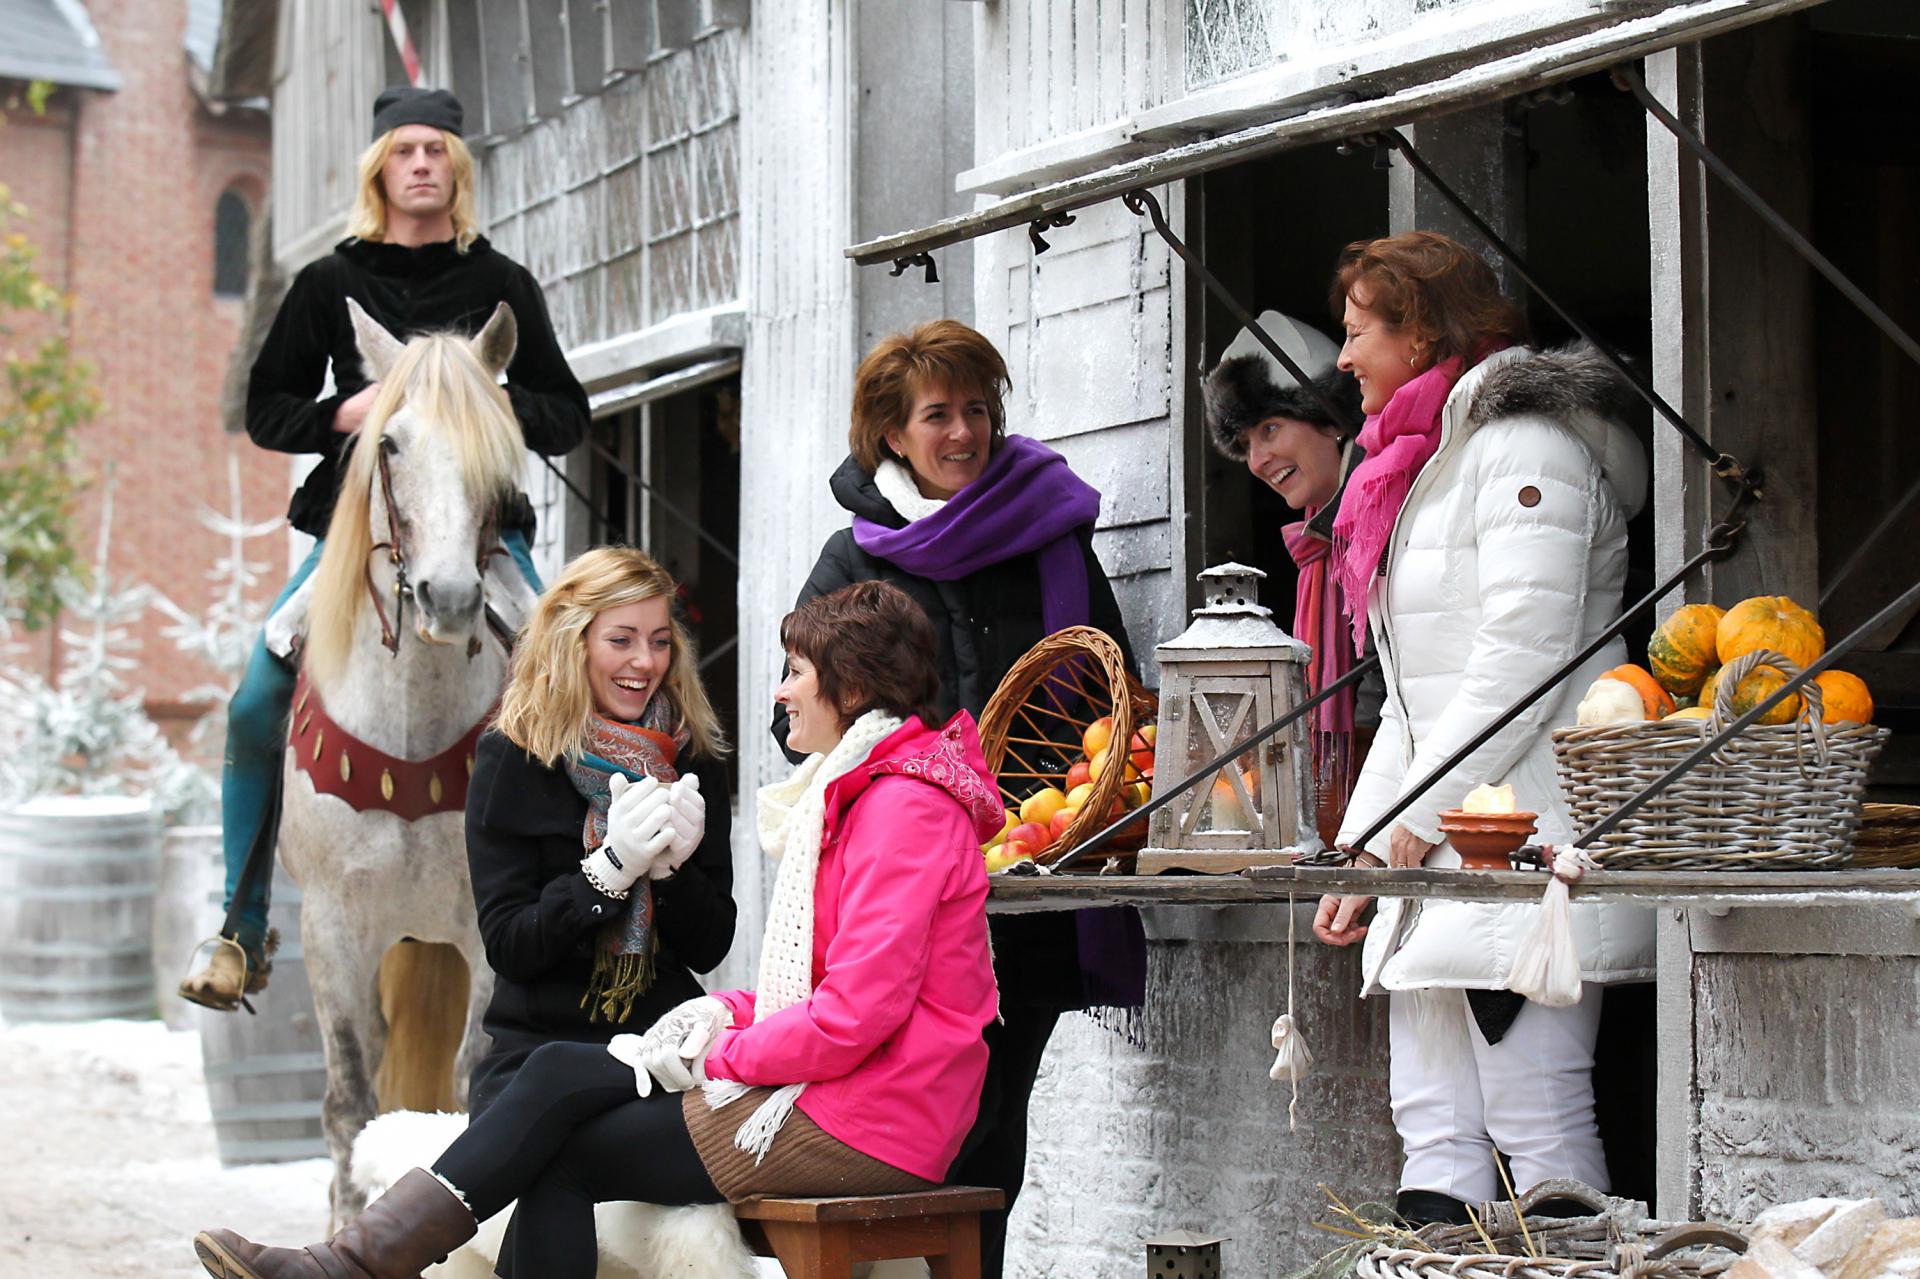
(369, 218)
(548, 707)
(440, 378)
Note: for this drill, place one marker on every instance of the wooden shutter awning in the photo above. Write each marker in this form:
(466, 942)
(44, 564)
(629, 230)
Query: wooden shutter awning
(1661, 28)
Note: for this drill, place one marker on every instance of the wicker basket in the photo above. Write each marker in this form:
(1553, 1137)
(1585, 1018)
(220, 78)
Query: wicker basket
(1776, 797)
(1619, 1241)
(1032, 727)
(1888, 838)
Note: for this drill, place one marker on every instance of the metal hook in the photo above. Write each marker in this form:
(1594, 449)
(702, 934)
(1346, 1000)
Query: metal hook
(1043, 223)
(900, 266)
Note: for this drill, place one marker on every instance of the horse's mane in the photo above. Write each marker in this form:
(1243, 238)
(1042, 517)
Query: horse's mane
(443, 382)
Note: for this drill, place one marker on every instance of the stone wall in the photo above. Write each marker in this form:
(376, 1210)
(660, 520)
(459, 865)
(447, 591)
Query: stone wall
(1807, 1071)
(1181, 1128)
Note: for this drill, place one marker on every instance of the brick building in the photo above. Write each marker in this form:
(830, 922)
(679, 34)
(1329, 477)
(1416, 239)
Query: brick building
(140, 196)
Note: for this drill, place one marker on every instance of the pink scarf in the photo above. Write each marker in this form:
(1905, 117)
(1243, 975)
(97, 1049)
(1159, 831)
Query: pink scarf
(1398, 440)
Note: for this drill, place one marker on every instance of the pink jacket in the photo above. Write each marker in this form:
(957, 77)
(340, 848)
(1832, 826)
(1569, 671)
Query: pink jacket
(889, 1042)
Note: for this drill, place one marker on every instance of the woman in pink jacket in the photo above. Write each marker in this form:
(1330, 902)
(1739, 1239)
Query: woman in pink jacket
(853, 1067)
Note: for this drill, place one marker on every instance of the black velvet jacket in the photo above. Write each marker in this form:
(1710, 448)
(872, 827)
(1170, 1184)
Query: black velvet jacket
(539, 916)
(410, 291)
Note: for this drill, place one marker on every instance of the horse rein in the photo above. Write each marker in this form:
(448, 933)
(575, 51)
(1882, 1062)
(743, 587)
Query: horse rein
(397, 556)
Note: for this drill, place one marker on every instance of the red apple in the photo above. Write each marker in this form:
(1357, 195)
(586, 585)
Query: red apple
(1032, 834)
(1061, 820)
(1079, 775)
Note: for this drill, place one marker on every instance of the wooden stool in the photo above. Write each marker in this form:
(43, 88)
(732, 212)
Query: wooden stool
(822, 1238)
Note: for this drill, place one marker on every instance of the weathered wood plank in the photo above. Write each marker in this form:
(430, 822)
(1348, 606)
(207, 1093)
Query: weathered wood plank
(1781, 889)
(1474, 86)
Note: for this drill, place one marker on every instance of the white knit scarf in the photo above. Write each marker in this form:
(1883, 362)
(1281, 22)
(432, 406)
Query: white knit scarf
(896, 484)
(792, 821)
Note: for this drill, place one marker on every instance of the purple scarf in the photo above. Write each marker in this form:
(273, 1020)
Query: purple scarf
(1027, 502)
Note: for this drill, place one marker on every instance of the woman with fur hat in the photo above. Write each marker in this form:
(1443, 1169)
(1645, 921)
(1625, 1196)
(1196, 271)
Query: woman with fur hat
(1480, 546)
(1300, 442)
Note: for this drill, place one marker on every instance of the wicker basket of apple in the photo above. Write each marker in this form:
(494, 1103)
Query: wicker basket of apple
(1070, 734)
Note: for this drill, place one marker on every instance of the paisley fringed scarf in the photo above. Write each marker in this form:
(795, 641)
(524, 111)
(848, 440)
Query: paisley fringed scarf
(623, 952)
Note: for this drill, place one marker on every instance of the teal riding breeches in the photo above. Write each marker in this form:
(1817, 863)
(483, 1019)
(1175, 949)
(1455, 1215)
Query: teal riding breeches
(256, 743)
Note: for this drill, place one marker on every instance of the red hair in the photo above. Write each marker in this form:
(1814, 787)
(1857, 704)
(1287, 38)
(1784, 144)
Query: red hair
(1441, 292)
(899, 368)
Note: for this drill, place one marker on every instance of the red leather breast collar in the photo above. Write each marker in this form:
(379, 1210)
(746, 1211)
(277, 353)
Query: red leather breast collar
(372, 780)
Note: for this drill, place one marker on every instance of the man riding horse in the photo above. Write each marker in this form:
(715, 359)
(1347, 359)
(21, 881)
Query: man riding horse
(415, 261)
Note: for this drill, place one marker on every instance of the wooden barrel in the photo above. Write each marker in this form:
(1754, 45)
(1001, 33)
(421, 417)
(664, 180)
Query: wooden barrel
(267, 1073)
(77, 876)
(183, 915)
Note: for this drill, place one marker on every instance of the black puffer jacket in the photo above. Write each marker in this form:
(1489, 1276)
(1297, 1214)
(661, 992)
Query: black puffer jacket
(410, 291)
(985, 623)
(539, 916)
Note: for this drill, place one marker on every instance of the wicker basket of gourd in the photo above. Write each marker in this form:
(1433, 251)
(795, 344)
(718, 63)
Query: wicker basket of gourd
(1068, 704)
(1783, 795)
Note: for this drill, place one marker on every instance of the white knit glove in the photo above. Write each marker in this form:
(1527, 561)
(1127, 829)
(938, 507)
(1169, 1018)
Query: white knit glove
(639, 828)
(674, 1050)
(689, 822)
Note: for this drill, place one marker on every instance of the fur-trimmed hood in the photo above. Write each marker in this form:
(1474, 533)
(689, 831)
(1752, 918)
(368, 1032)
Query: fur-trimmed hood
(1241, 393)
(1576, 387)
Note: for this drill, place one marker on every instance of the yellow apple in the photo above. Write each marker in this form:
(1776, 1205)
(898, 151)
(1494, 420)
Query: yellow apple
(1097, 735)
(1040, 806)
(1077, 797)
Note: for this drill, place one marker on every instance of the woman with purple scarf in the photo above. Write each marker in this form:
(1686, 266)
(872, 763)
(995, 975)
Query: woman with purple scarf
(991, 534)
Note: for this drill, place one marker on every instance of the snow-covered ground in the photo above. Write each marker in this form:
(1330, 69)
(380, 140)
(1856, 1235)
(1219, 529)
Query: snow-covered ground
(107, 1157)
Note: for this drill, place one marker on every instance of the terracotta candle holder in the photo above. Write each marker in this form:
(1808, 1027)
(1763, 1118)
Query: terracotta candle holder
(1486, 841)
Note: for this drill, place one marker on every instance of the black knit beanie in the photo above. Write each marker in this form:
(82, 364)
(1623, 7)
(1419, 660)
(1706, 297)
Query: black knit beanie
(404, 104)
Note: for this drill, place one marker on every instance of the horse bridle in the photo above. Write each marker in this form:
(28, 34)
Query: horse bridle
(397, 556)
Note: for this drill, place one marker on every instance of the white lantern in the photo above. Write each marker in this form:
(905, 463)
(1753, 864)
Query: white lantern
(1229, 674)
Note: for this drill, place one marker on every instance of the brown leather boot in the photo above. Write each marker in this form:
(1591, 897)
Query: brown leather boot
(415, 1224)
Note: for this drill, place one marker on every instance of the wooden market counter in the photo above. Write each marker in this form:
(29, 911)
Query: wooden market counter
(1012, 893)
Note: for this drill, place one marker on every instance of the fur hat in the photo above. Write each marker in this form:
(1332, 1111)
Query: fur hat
(1249, 386)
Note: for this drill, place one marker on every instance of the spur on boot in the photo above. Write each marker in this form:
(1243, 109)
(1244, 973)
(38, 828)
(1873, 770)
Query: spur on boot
(414, 1225)
(231, 973)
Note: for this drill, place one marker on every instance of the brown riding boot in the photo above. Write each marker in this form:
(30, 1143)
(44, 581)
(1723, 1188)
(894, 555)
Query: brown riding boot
(229, 976)
(415, 1224)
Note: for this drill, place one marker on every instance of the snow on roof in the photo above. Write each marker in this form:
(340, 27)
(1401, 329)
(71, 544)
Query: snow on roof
(53, 40)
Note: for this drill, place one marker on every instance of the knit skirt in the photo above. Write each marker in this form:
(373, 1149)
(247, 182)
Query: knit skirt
(803, 1162)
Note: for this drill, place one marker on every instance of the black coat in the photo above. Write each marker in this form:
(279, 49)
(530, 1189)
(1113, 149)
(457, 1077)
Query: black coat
(539, 916)
(410, 291)
(985, 623)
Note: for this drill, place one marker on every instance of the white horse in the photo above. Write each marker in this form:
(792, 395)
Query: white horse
(399, 677)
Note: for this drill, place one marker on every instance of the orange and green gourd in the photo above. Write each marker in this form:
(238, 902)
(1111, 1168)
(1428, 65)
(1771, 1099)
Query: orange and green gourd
(1685, 648)
(1770, 621)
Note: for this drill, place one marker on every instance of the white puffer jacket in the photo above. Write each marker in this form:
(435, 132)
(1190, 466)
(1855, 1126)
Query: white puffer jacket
(1509, 555)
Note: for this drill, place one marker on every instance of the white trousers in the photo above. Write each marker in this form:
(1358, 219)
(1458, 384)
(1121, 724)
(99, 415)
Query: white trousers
(1457, 1098)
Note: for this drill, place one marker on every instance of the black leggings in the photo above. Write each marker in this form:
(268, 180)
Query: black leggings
(570, 1132)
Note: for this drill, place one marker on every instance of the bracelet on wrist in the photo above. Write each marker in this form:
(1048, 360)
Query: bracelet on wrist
(600, 885)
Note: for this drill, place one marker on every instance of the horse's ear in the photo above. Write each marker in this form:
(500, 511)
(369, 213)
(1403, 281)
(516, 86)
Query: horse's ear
(494, 345)
(379, 349)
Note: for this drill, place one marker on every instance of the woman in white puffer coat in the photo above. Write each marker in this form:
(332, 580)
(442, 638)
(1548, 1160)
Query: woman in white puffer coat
(1485, 548)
